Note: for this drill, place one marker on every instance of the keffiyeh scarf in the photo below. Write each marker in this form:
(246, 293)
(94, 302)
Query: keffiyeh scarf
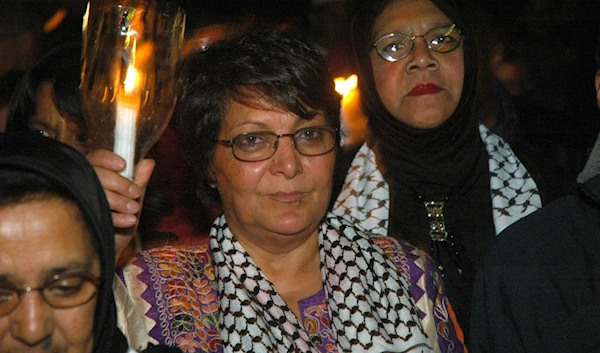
(371, 308)
(365, 197)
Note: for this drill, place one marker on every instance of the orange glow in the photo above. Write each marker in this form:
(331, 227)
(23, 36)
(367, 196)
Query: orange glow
(344, 86)
(130, 83)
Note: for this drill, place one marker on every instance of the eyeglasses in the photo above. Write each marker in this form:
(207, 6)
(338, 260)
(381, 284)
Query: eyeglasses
(61, 292)
(261, 145)
(396, 46)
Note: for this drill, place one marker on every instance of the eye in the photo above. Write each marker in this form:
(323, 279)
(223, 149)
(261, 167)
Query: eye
(65, 287)
(251, 141)
(6, 295)
(83, 138)
(310, 135)
(441, 40)
(394, 47)
(43, 132)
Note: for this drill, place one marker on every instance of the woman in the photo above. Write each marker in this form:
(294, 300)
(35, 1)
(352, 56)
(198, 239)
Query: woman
(429, 174)
(260, 121)
(57, 238)
(50, 185)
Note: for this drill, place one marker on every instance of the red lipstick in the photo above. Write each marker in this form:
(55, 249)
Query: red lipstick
(421, 90)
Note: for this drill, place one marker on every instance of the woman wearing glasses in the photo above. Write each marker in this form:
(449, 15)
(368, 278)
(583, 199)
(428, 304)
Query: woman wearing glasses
(429, 172)
(58, 257)
(260, 120)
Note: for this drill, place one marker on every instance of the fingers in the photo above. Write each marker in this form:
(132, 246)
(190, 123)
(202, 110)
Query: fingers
(143, 172)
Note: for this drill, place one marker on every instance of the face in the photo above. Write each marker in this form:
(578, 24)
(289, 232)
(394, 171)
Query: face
(286, 195)
(50, 123)
(423, 89)
(33, 324)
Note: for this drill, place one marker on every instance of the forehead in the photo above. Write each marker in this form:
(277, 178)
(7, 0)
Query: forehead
(410, 17)
(53, 222)
(263, 115)
(46, 109)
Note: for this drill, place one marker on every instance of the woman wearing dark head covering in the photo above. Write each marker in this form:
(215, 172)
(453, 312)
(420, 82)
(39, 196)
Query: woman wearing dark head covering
(57, 239)
(429, 173)
(35, 165)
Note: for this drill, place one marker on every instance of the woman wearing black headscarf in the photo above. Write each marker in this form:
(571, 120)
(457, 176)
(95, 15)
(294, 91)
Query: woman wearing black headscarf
(429, 172)
(61, 201)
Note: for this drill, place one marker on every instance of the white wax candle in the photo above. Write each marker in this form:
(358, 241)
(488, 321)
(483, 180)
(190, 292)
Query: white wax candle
(125, 133)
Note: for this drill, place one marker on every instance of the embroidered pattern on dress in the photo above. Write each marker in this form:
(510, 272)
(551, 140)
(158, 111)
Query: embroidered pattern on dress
(183, 293)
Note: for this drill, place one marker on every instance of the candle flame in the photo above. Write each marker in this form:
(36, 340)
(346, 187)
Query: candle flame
(130, 82)
(344, 86)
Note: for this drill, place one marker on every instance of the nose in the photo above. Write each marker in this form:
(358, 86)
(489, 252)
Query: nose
(32, 321)
(421, 57)
(286, 159)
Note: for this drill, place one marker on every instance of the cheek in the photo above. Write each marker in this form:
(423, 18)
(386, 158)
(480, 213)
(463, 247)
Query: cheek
(233, 179)
(386, 83)
(77, 326)
(455, 74)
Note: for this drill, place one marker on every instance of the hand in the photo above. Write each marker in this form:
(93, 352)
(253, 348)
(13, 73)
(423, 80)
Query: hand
(124, 196)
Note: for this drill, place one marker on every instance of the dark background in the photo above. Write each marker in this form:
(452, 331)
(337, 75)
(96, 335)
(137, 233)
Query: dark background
(554, 40)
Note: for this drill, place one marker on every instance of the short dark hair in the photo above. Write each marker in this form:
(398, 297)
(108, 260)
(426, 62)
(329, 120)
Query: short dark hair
(252, 69)
(62, 67)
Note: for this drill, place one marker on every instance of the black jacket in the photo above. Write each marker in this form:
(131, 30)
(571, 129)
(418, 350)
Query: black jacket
(538, 289)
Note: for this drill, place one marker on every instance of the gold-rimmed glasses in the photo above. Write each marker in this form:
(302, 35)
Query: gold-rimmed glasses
(396, 46)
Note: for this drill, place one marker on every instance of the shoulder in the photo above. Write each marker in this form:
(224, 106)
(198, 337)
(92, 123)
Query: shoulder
(556, 225)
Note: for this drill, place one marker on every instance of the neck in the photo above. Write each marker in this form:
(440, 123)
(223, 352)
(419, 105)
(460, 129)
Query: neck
(292, 263)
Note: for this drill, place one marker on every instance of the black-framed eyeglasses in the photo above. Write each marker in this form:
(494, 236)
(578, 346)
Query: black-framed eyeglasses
(61, 292)
(396, 46)
(261, 145)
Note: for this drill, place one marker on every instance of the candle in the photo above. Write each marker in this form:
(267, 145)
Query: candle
(127, 110)
(353, 120)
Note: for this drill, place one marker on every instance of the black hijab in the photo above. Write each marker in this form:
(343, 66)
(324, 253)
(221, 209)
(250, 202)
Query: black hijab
(70, 173)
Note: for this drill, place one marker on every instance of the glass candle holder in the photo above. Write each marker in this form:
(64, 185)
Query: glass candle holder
(131, 49)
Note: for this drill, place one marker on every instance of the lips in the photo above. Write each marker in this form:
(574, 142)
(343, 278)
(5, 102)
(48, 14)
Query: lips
(421, 90)
(287, 197)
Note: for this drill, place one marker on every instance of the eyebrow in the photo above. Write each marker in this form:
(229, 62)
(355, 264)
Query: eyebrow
(39, 121)
(47, 274)
(434, 25)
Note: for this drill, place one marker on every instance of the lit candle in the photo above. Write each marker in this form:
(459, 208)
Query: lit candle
(353, 120)
(128, 104)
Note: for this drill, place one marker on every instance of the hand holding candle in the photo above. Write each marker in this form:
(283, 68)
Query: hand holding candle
(128, 86)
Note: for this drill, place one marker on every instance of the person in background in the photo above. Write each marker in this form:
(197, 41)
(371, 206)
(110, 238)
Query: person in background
(429, 173)
(537, 289)
(58, 252)
(8, 83)
(48, 103)
(21, 36)
(260, 125)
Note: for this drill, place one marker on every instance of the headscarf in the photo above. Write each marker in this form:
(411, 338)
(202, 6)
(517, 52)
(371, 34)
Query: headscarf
(70, 172)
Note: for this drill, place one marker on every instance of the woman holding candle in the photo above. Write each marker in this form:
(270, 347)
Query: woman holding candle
(429, 172)
(260, 123)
